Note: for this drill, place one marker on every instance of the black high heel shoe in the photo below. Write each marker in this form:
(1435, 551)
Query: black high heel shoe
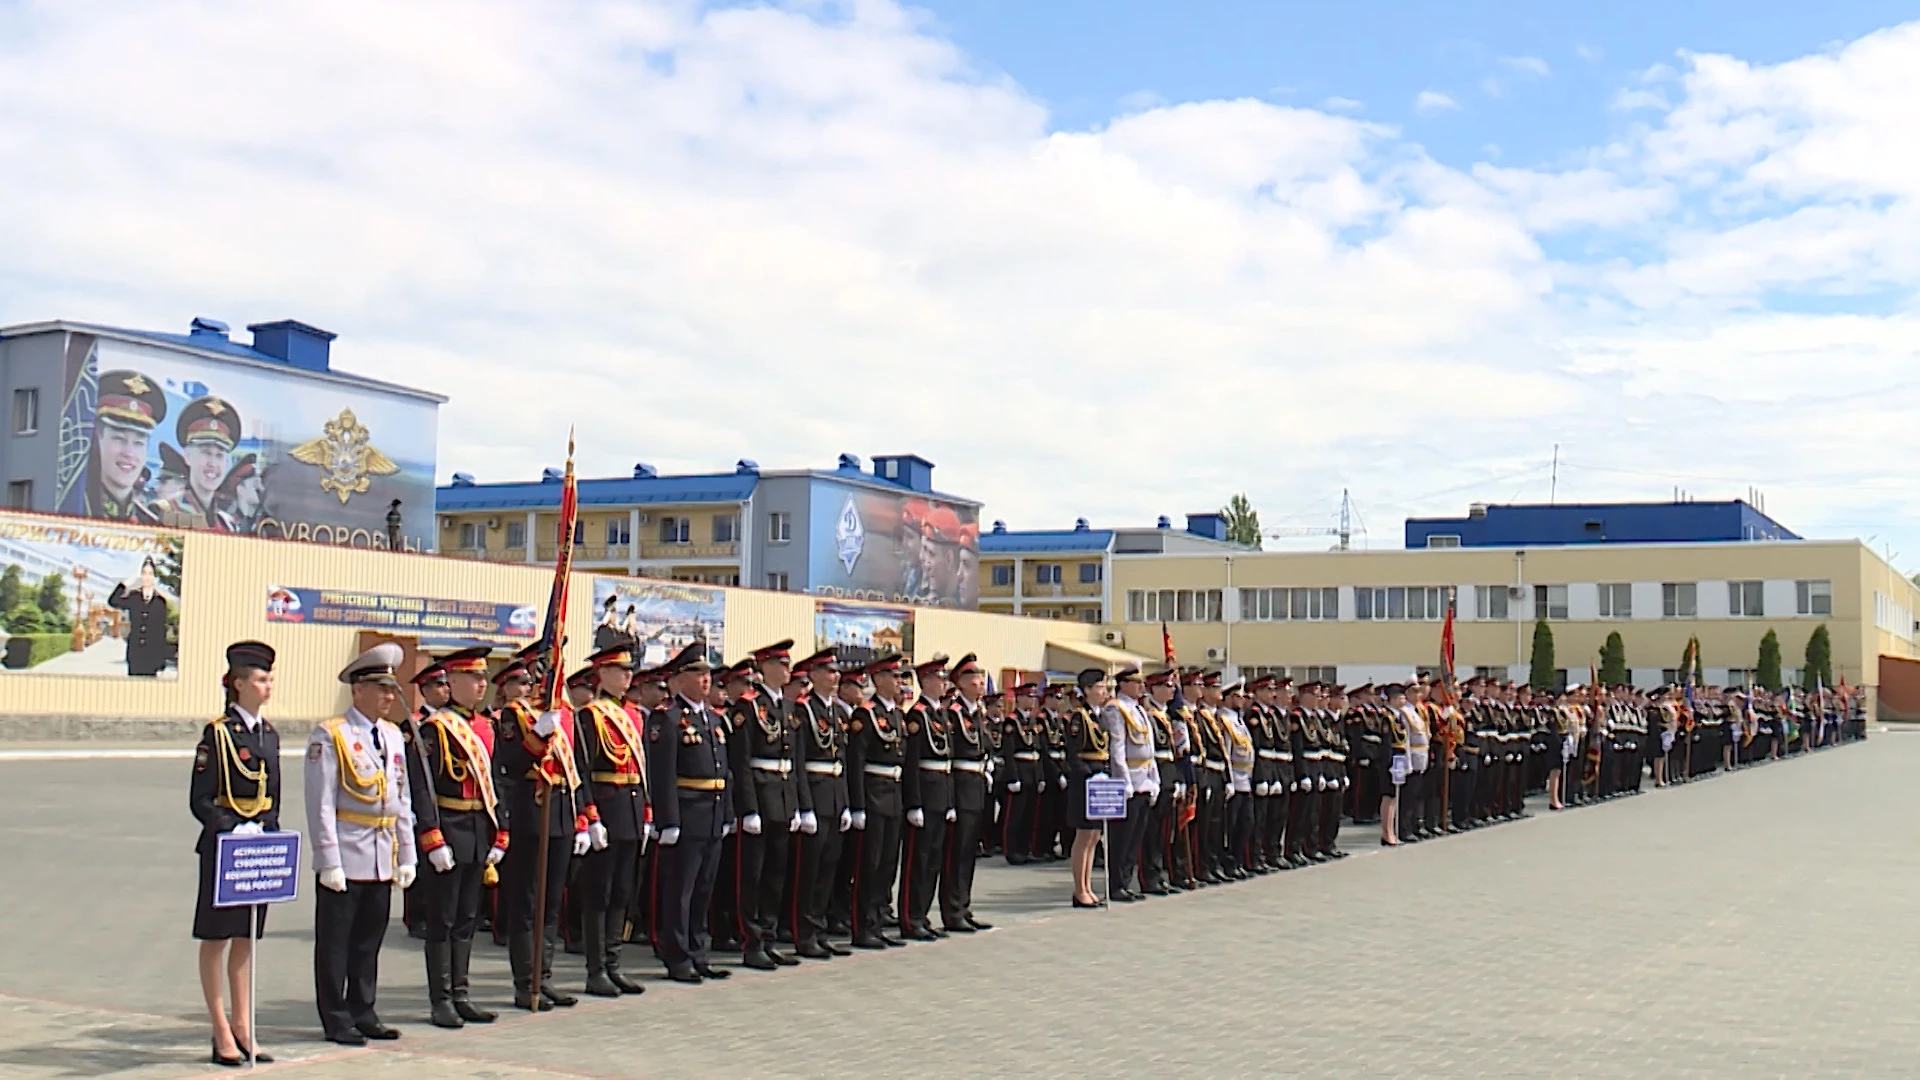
(225, 1062)
(1078, 904)
(260, 1057)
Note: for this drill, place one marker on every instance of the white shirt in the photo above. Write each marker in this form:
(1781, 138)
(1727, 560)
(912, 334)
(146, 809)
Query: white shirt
(252, 721)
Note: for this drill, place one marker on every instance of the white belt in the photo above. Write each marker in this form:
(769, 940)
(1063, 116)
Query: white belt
(1270, 755)
(1163, 755)
(890, 772)
(826, 768)
(936, 766)
(779, 765)
(965, 765)
(1284, 755)
(1315, 755)
(1336, 755)
(1057, 755)
(1026, 755)
(1217, 766)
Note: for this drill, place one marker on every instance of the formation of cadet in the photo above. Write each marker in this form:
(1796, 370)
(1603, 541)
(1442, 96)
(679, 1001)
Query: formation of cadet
(812, 803)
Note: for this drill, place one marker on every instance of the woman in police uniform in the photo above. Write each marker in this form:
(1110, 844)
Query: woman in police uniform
(236, 787)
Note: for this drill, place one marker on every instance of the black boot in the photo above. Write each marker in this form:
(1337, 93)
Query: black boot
(462, 1004)
(616, 923)
(756, 958)
(440, 984)
(594, 933)
(520, 956)
(547, 989)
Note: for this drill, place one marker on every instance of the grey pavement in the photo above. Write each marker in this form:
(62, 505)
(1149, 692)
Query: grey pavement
(1750, 925)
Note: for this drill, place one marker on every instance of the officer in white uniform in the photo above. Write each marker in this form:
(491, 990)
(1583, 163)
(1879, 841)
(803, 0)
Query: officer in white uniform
(1130, 735)
(360, 825)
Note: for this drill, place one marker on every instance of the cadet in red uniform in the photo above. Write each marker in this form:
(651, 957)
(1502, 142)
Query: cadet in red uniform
(615, 766)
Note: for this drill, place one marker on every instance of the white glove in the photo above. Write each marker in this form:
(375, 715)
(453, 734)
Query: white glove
(846, 820)
(860, 820)
(651, 833)
(582, 841)
(726, 830)
(597, 836)
(403, 876)
(808, 823)
(494, 856)
(548, 723)
(750, 824)
(334, 880)
(1063, 783)
(794, 825)
(1013, 787)
(917, 819)
(1230, 793)
(1153, 797)
(953, 815)
(670, 836)
(1258, 789)
(249, 828)
(441, 858)
(1320, 783)
(1346, 782)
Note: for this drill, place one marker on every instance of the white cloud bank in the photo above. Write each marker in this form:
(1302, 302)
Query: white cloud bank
(783, 234)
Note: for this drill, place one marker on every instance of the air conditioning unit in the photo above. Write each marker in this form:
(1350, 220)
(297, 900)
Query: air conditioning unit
(1115, 638)
(1216, 656)
(493, 523)
(1516, 592)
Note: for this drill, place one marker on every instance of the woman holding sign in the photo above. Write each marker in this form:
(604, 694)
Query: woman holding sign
(236, 788)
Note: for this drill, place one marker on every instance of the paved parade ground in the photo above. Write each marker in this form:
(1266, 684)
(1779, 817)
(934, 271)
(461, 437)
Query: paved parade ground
(1758, 924)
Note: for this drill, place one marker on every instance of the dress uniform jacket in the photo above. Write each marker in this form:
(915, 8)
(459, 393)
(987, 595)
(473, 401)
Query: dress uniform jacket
(1130, 746)
(518, 756)
(1238, 744)
(971, 755)
(450, 775)
(687, 755)
(1163, 745)
(823, 750)
(614, 765)
(359, 810)
(236, 780)
(877, 758)
(147, 649)
(1021, 738)
(927, 783)
(767, 760)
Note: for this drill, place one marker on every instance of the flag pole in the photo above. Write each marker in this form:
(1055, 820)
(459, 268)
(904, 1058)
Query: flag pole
(548, 694)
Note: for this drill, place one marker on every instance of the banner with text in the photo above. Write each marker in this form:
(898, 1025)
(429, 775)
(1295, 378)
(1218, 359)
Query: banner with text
(480, 621)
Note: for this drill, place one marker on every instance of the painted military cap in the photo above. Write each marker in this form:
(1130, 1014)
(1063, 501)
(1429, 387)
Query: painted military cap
(129, 399)
(208, 420)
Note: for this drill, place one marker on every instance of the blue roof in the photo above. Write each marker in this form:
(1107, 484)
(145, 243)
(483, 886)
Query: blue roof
(1045, 540)
(1536, 525)
(214, 343)
(612, 491)
(857, 476)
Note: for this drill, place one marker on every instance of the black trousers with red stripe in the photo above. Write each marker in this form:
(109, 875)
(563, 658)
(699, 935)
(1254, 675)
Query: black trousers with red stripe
(762, 884)
(879, 861)
(923, 854)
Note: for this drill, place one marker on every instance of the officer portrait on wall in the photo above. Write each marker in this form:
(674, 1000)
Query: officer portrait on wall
(89, 600)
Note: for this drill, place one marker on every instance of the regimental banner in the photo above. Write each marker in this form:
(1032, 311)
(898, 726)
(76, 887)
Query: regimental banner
(84, 599)
(905, 548)
(154, 436)
(479, 621)
(858, 634)
(656, 619)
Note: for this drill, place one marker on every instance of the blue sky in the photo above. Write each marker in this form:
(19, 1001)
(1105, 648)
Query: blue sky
(1085, 58)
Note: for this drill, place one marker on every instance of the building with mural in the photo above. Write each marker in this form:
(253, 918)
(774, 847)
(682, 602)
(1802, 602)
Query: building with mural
(200, 431)
(850, 532)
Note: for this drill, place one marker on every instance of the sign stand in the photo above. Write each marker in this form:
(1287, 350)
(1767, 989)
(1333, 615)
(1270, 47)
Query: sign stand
(252, 870)
(1107, 803)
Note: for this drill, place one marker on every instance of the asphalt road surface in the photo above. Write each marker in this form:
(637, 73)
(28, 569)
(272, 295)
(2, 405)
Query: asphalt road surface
(1751, 925)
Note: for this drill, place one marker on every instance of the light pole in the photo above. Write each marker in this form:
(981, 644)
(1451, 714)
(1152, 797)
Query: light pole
(79, 640)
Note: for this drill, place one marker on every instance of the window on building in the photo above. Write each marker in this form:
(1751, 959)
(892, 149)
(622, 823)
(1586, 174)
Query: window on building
(19, 494)
(473, 535)
(1002, 575)
(777, 580)
(1321, 673)
(1398, 602)
(1280, 605)
(1549, 601)
(1741, 676)
(1089, 573)
(675, 530)
(779, 527)
(1443, 540)
(1670, 676)
(1744, 600)
(1616, 601)
(893, 470)
(1046, 573)
(619, 533)
(26, 412)
(1174, 605)
(516, 534)
(1496, 672)
(1679, 600)
(579, 533)
(725, 528)
(1813, 597)
(1090, 615)
(1490, 602)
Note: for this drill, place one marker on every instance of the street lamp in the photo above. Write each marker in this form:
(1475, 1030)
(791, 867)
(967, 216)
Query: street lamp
(79, 641)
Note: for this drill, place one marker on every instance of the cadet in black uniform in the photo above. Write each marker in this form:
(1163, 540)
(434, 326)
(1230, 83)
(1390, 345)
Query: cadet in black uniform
(1054, 839)
(609, 738)
(972, 760)
(823, 750)
(431, 682)
(235, 788)
(687, 766)
(1086, 757)
(926, 788)
(876, 758)
(768, 798)
(1021, 741)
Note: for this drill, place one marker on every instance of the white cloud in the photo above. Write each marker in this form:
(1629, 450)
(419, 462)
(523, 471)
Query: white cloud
(1431, 101)
(1342, 105)
(1627, 100)
(783, 233)
(1591, 54)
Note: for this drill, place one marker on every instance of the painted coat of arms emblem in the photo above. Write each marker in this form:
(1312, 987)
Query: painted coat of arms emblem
(849, 535)
(347, 460)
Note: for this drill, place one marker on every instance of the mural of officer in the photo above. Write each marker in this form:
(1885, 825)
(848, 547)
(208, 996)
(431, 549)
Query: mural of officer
(129, 407)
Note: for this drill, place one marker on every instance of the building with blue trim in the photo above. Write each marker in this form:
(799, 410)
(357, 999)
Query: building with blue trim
(1064, 573)
(1542, 525)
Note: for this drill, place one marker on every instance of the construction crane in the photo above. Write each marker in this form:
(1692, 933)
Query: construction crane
(1344, 531)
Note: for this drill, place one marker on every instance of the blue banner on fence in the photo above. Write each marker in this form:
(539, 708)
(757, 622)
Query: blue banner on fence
(256, 868)
(1106, 798)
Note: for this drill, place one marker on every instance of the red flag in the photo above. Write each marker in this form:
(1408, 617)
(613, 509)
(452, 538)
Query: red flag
(556, 622)
(1166, 645)
(1446, 655)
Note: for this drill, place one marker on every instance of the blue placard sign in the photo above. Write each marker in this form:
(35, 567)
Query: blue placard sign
(257, 868)
(1106, 798)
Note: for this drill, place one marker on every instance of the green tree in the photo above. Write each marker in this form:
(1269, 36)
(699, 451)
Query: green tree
(1767, 669)
(1613, 661)
(1243, 521)
(1541, 675)
(1690, 657)
(24, 618)
(1819, 665)
(10, 587)
(53, 594)
(166, 568)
